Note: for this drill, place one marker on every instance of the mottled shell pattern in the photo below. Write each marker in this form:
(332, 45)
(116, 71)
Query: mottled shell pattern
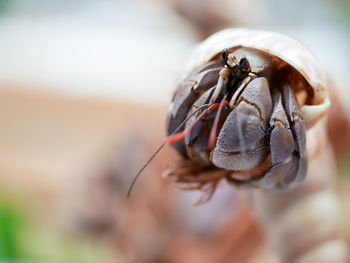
(281, 46)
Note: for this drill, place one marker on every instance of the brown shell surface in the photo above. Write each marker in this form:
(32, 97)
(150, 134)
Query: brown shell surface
(281, 46)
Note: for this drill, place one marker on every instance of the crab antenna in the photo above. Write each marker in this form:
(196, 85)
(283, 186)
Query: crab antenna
(143, 168)
(212, 136)
(167, 141)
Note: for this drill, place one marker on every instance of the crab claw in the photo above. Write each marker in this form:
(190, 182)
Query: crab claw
(241, 144)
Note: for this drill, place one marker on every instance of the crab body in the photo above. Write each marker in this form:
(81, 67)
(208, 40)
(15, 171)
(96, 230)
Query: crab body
(261, 129)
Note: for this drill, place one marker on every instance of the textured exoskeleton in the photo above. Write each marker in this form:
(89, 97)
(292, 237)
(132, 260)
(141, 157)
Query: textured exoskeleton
(247, 98)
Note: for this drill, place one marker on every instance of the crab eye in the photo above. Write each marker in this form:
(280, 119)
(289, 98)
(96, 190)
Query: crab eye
(244, 65)
(224, 55)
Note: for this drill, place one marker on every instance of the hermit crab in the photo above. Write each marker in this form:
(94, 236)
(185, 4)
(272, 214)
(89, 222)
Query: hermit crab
(242, 108)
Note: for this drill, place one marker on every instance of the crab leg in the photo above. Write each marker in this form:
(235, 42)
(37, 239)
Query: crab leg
(287, 143)
(281, 145)
(298, 128)
(186, 94)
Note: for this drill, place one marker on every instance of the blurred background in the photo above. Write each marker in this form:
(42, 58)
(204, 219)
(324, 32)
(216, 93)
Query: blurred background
(84, 87)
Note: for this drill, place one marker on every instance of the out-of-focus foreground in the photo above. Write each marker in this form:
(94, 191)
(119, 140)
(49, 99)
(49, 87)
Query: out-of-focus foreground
(84, 87)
